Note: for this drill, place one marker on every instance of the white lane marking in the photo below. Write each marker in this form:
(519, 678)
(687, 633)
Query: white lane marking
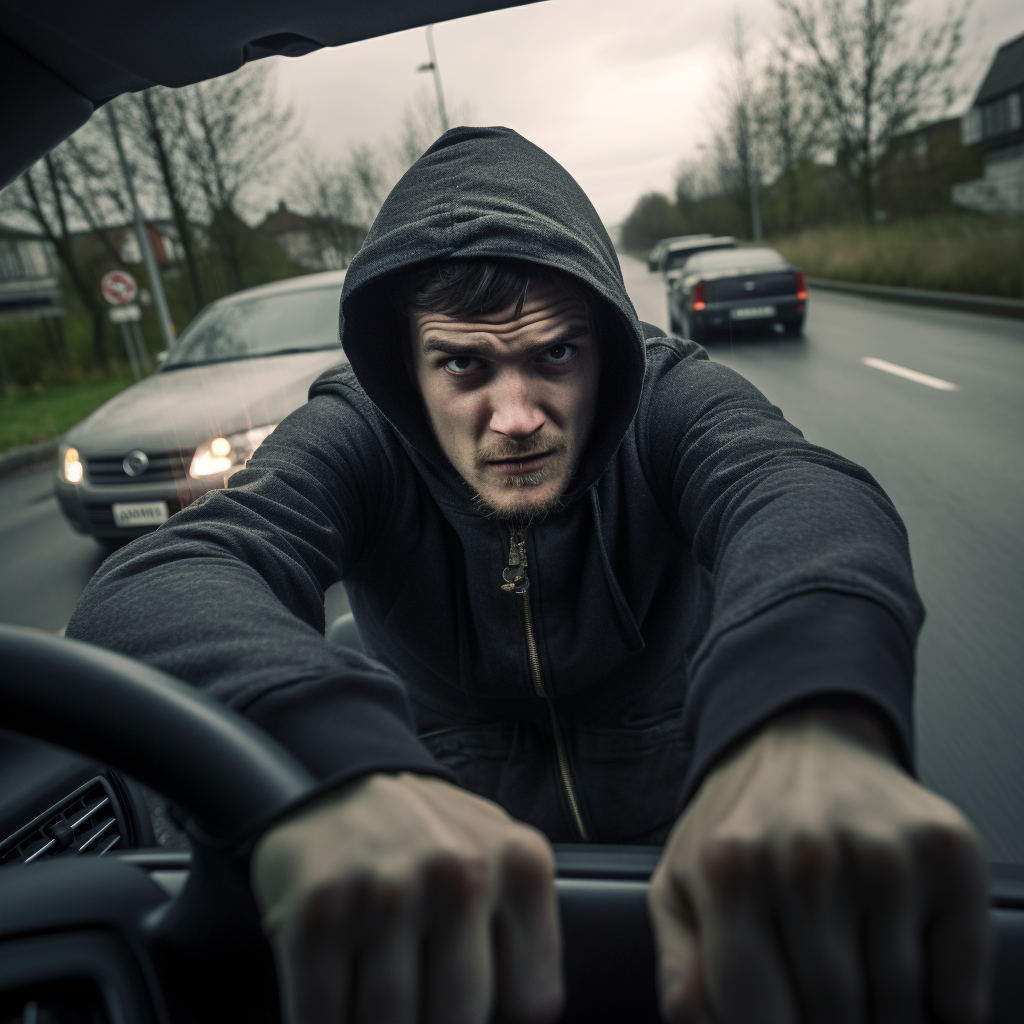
(902, 371)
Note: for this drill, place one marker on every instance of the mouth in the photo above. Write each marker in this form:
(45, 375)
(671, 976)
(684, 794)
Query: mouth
(519, 467)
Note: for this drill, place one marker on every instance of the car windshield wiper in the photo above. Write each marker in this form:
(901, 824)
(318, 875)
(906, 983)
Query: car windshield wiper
(167, 367)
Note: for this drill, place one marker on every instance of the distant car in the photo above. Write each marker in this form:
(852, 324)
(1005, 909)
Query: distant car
(724, 289)
(678, 252)
(658, 249)
(238, 369)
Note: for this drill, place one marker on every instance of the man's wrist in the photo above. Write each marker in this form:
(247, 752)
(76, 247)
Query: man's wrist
(852, 719)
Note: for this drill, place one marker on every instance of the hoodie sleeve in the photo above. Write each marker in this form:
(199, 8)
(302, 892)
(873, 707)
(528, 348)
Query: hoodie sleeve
(228, 595)
(814, 598)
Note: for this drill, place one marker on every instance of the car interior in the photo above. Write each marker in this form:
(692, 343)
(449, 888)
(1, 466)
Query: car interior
(98, 921)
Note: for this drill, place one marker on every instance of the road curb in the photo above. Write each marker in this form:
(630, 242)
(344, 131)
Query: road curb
(986, 304)
(27, 455)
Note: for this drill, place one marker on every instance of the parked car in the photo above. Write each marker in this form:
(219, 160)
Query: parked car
(676, 254)
(240, 367)
(658, 249)
(721, 290)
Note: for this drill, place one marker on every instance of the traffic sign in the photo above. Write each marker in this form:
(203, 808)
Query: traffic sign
(118, 287)
(124, 314)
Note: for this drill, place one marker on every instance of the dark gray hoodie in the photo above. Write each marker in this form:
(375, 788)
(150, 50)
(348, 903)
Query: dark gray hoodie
(709, 569)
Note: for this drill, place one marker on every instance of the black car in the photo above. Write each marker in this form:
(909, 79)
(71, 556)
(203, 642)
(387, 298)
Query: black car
(728, 289)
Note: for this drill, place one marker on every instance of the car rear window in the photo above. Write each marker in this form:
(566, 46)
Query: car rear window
(264, 325)
(740, 259)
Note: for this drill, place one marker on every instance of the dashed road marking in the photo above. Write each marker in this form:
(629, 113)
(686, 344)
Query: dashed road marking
(902, 371)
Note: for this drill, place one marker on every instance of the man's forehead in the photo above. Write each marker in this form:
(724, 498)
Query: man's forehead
(548, 308)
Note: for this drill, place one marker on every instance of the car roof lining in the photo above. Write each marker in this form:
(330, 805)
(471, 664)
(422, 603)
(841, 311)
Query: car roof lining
(61, 59)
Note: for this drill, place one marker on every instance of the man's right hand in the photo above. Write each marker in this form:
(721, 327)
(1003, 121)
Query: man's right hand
(405, 900)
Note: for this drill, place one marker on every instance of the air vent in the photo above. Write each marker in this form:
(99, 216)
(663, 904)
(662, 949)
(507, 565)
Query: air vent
(87, 821)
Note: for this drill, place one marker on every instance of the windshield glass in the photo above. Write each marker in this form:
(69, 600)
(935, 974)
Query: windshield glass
(675, 260)
(261, 326)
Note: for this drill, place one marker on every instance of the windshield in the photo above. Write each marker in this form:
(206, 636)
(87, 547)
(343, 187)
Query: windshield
(264, 325)
(675, 260)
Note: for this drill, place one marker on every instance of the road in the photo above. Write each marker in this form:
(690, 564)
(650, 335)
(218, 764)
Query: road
(950, 459)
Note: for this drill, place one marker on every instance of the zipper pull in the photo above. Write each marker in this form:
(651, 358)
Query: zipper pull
(514, 574)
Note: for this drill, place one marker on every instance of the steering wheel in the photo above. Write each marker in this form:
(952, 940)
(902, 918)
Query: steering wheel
(201, 956)
(229, 776)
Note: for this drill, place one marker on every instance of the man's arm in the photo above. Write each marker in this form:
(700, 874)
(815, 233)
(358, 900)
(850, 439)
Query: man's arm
(810, 878)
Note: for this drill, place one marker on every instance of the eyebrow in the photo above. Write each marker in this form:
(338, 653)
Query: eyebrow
(456, 348)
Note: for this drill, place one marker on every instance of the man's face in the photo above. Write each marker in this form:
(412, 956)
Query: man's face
(511, 401)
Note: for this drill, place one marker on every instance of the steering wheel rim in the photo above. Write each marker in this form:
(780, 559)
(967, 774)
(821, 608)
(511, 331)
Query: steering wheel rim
(208, 759)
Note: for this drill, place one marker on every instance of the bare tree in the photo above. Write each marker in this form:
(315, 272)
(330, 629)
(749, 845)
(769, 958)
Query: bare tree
(233, 133)
(790, 126)
(875, 73)
(150, 119)
(737, 146)
(41, 193)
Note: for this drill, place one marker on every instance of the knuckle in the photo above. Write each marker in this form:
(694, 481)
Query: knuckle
(463, 880)
(728, 863)
(806, 858)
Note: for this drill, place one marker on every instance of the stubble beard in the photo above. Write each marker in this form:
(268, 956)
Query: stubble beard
(521, 518)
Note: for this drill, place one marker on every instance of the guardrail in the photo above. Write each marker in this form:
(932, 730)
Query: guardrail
(987, 304)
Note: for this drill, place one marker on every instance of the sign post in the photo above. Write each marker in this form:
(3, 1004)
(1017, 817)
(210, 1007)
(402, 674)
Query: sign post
(120, 290)
(163, 312)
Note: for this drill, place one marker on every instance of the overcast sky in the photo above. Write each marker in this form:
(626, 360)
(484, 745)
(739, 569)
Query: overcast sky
(618, 92)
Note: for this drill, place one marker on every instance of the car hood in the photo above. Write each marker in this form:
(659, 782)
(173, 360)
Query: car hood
(182, 408)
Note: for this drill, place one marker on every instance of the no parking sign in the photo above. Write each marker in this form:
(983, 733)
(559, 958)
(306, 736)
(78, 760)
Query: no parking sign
(118, 287)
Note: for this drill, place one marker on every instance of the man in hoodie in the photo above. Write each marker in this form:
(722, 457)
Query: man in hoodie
(608, 594)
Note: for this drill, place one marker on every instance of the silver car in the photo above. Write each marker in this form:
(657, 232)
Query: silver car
(240, 367)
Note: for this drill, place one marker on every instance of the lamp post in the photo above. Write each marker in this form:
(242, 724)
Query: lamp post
(432, 66)
(163, 312)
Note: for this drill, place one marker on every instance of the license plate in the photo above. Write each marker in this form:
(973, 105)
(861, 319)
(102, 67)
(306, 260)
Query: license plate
(140, 513)
(753, 313)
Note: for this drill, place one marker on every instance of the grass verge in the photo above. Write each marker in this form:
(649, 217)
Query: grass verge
(981, 256)
(39, 416)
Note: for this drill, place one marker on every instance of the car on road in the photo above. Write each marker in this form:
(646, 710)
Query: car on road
(723, 290)
(243, 364)
(677, 252)
(657, 250)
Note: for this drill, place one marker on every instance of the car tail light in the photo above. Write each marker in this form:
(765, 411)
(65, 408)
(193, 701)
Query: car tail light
(698, 296)
(801, 285)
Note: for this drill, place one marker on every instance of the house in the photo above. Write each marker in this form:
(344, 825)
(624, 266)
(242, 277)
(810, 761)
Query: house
(919, 169)
(29, 275)
(994, 127)
(314, 243)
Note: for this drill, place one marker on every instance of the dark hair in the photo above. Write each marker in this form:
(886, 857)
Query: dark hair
(481, 287)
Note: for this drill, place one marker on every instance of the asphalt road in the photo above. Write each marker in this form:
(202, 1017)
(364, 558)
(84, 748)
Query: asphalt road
(950, 458)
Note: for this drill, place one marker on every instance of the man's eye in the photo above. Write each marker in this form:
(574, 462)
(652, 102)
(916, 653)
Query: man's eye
(463, 364)
(557, 354)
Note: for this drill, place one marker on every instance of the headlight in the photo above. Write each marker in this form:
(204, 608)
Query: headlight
(222, 456)
(71, 465)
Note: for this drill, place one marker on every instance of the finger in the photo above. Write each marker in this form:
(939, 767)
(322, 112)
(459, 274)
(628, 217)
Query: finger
(314, 960)
(680, 987)
(816, 906)
(458, 964)
(892, 937)
(386, 976)
(744, 972)
(959, 940)
(527, 936)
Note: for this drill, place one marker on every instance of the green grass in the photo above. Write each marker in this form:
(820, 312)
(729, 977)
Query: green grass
(39, 416)
(979, 255)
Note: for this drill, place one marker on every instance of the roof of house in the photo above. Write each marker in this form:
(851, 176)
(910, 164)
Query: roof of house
(1005, 73)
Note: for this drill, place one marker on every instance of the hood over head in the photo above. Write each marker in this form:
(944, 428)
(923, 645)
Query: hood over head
(487, 193)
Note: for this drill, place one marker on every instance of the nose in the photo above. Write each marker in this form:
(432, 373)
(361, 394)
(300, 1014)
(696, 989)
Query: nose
(515, 410)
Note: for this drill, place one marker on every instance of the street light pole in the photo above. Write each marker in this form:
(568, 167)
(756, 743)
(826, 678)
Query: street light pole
(432, 66)
(162, 310)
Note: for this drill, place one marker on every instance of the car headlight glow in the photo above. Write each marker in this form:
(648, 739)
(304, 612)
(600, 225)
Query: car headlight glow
(224, 455)
(73, 469)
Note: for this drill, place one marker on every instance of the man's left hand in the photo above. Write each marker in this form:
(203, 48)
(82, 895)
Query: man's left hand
(811, 880)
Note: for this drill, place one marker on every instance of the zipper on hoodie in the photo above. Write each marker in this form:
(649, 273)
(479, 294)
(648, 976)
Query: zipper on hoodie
(518, 582)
